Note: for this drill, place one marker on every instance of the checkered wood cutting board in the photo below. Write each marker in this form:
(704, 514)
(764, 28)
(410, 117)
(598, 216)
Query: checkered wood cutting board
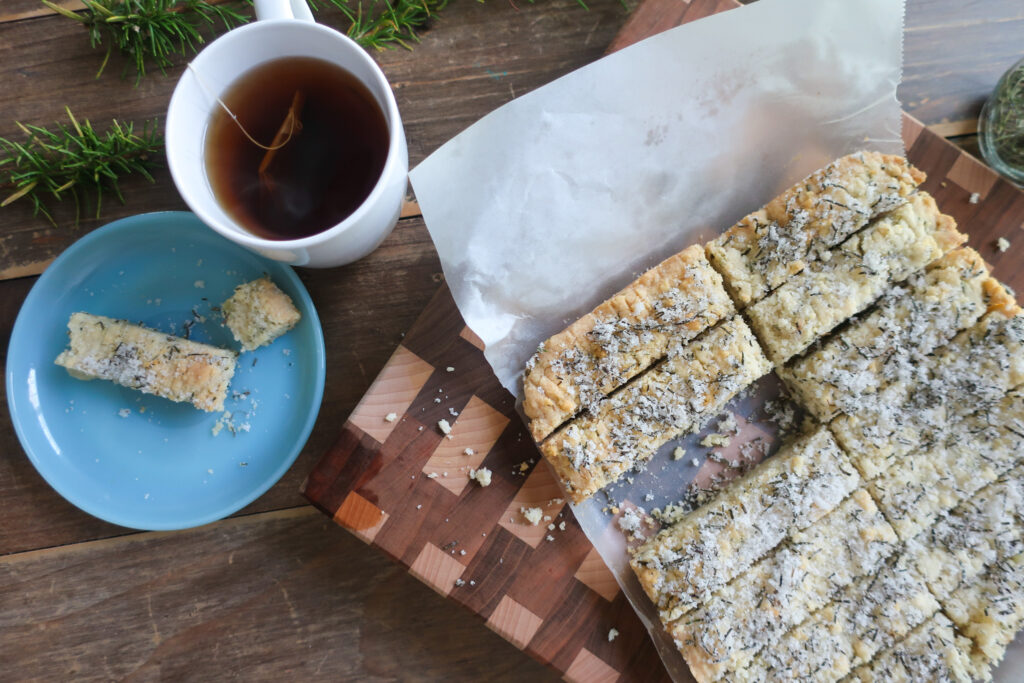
(403, 486)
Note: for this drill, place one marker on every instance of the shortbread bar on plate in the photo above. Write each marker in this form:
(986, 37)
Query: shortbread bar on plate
(258, 312)
(669, 304)
(770, 245)
(150, 361)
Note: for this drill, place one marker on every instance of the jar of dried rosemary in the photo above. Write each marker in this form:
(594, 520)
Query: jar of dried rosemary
(1001, 126)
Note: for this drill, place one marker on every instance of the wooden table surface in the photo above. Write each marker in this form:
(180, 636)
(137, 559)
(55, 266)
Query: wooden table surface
(277, 590)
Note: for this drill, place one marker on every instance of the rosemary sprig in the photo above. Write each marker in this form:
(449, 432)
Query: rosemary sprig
(74, 159)
(381, 24)
(157, 29)
(149, 29)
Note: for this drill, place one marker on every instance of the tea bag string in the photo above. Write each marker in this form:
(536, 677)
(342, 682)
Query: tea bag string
(234, 117)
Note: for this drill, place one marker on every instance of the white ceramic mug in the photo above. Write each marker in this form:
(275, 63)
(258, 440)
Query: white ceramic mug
(285, 29)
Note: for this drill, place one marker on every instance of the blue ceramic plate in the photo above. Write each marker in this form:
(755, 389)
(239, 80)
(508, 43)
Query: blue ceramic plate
(135, 459)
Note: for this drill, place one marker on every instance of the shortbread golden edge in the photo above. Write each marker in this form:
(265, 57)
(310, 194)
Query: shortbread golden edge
(147, 360)
(671, 303)
(770, 245)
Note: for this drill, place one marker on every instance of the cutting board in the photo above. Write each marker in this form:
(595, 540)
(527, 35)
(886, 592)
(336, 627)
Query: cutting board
(398, 482)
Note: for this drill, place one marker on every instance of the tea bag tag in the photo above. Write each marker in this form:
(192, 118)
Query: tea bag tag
(289, 127)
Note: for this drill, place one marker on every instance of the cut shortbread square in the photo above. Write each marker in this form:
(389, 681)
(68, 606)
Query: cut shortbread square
(856, 273)
(753, 611)
(973, 373)
(675, 397)
(770, 245)
(886, 346)
(933, 652)
(686, 562)
(869, 615)
(149, 361)
(824, 562)
(669, 304)
(990, 611)
(985, 528)
(258, 313)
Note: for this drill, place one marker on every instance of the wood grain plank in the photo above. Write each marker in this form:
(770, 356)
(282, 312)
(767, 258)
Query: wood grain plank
(273, 596)
(954, 52)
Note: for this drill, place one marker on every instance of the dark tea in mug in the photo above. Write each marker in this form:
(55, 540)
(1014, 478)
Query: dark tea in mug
(308, 147)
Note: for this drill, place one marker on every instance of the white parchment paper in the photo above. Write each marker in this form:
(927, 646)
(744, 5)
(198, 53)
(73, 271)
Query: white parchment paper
(550, 204)
(554, 201)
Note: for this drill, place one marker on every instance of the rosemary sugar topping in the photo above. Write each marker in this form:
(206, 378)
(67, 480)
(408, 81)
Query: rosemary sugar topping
(800, 226)
(669, 305)
(890, 344)
(826, 293)
(710, 546)
(784, 588)
(676, 397)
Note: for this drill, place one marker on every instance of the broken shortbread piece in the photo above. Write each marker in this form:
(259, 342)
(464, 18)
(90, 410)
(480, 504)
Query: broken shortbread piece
(532, 515)
(723, 635)
(481, 476)
(684, 563)
(860, 270)
(258, 313)
(150, 361)
(769, 246)
(669, 304)
(675, 397)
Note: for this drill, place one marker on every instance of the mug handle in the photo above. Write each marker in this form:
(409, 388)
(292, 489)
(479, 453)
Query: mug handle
(283, 9)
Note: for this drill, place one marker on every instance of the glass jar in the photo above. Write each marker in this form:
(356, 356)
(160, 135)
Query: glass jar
(1001, 125)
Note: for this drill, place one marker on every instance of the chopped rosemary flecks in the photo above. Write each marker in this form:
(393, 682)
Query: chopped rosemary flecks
(1006, 118)
(74, 158)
